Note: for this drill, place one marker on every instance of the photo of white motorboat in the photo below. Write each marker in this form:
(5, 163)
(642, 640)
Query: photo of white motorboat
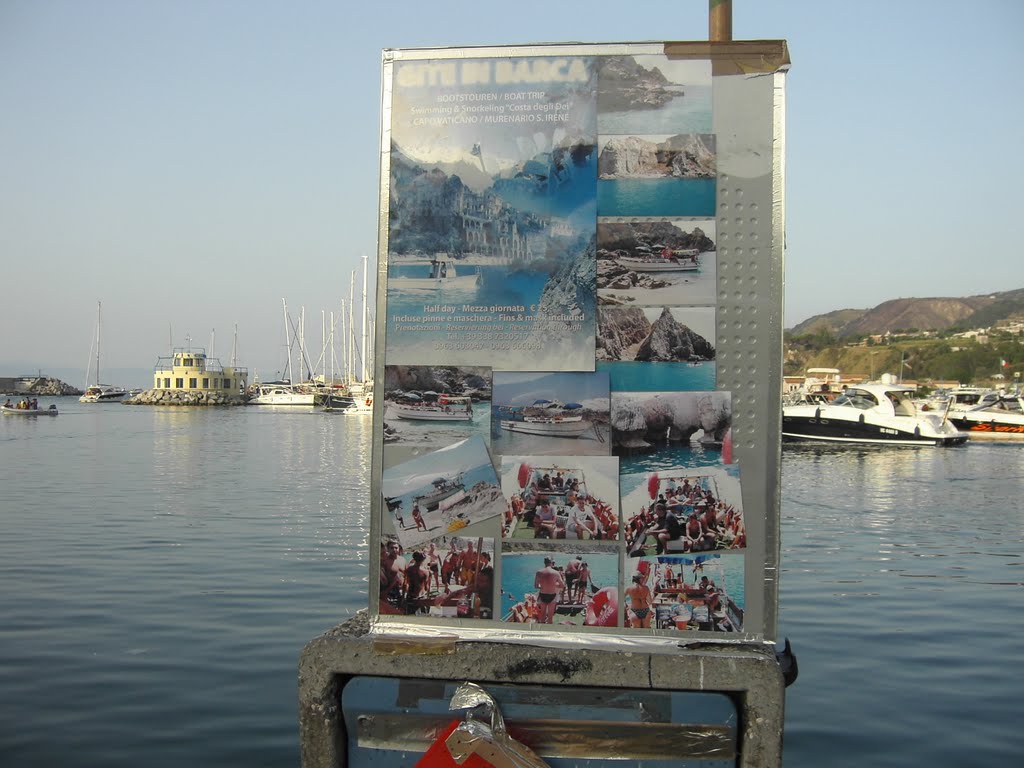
(440, 275)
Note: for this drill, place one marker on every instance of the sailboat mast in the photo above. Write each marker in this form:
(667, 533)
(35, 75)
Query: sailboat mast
(287, 339)
(99, 325)
(363, 341)
(351, 326)
(234, 348)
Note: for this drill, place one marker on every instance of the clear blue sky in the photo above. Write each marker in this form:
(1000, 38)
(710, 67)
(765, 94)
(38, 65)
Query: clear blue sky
(192, 163)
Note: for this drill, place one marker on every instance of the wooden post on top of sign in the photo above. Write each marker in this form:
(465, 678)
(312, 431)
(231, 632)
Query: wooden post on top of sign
(720, 21)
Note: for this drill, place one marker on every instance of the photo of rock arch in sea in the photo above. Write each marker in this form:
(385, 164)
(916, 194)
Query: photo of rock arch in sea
(654, 430)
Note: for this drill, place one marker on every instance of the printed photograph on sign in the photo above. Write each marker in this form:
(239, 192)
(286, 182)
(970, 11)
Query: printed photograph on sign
(561, 497)
(658, 430)
(671, 175)
(450, 578)
(491, 213)
(568, 586)
(550, 414)
(683, 510)
(656, 263)
(441, 492)
(685, 592)
(651, 93)
(435, 405)
(657, 348)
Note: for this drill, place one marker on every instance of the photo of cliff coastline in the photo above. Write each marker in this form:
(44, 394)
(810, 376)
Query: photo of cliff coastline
(657, 175)
(656, 262)
(491, 211)
(652, 431)
(657, 348)
(652, 94)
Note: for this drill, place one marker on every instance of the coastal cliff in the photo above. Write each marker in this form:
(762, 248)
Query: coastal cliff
(689, 156)
(625, 333)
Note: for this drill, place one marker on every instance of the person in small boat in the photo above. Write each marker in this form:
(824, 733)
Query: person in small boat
(8, 403)
(34, 405)
(544, 521)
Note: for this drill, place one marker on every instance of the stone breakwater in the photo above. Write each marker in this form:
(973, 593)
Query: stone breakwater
(179, 397)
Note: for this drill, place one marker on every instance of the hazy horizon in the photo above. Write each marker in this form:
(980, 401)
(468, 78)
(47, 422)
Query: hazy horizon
(192, 164)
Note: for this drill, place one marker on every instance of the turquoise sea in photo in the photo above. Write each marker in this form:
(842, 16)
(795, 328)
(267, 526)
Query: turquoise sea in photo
(633, 376)
(163, 568)
(656, 197)
(689, 113)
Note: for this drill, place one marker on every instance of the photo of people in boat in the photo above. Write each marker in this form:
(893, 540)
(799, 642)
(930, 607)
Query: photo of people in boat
(561, 497)
(656, 262)
(572, 586)
(651, 93)
(657, 430)
(657, 348)
(449, 578)
(657, 175)
(430, 406)
(683, 510)
(441, 493)
(550, 414)
(491, 211)
(685, 593)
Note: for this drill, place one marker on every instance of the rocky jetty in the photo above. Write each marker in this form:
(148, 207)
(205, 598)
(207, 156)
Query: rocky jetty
(181, 397)
(40, 386)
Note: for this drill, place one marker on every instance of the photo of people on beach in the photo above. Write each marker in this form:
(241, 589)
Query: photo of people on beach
(441, 492)
(685, 593)
(652, 93)
(656, 430)
(683, 510)
(561, 497)
(656, 262)
(431, 406)
(571, 586)
(450, 578)
(657, 175)
(657, 348)
(550, 414)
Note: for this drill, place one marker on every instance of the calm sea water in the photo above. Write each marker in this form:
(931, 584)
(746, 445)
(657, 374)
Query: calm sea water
(162, 570)
(656, 197)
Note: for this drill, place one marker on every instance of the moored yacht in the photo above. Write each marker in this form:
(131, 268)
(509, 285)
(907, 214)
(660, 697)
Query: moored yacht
(992, 418)
(547, 417)
(869, 413)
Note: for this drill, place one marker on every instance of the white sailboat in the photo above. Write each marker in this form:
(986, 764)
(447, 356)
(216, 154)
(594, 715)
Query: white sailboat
(97, 392)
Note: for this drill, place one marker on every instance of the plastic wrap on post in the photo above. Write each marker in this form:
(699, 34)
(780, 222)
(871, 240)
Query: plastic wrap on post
(491, 743)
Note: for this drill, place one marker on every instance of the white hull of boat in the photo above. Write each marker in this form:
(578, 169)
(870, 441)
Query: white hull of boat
(8, 411)
(428, 413)
(432, 283)
(284, 398)
(549, 428)
(103, 393)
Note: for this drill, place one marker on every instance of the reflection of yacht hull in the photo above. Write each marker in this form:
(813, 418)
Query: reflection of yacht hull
(826, 423)
(428, 413)
(549, 427)
(432, 283)
(658, 265)
(989, 425)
